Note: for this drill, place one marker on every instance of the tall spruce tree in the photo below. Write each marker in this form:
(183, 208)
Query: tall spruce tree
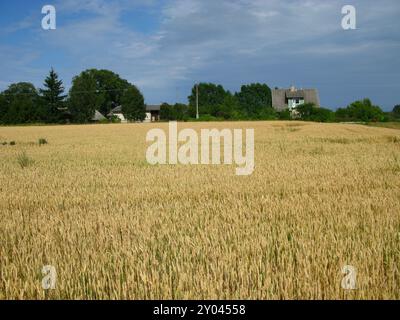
(53, 98)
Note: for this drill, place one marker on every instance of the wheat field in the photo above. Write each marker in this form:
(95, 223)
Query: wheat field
(322, 196)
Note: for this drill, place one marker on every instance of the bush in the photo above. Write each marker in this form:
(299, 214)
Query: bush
(42, 141)
(207, 118)
(115, 119)
(104, 121)
(267, 113)
(309, 112)
(323, 115)
(12, 143)
(284, 115)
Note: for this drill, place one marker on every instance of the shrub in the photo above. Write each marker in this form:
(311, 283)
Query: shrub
(115, 119)
(104, 121)
(12, 143)
(208, 118)
(309, 112)
(284, 115)
(42, 141)
(266, 114)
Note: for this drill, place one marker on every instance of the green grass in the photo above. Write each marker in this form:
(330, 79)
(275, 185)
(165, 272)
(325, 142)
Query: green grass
(24, 160)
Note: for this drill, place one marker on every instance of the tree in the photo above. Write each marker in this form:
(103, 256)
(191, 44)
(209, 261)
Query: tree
(83, 99)
(3, 107)
(133, 106)
(255, 100)
(362, 110)
(110, 89)
(165, 112)
(52, 98)
(211, 96)
(396, 112)
(20, 104)
(230, 108)
(101, 90)
(180, 111)
(107, 90)
(177, 112)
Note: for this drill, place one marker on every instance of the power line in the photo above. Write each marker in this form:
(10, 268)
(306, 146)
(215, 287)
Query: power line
(75, 92)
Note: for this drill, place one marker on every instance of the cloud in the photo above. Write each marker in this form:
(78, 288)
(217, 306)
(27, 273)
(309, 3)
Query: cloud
(227, 41)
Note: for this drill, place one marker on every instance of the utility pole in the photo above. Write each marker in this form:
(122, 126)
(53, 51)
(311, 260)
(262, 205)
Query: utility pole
(197, 102)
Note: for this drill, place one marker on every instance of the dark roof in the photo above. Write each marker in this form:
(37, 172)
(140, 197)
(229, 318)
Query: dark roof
(153, 107)
(295, 94)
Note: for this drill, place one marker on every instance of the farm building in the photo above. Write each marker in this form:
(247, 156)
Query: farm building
(117, 112)
(152, 113)
(283, 99)
(98, 117)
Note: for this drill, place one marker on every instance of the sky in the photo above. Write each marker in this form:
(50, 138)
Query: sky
(165, 46)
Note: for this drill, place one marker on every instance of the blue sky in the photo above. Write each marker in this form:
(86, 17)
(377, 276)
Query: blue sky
(165, 46)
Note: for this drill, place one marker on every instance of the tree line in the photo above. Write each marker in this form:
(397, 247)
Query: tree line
(91, 90)
(103, 90)
(254, 102)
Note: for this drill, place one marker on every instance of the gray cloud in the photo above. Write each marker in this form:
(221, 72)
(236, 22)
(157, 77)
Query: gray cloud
(233, 42)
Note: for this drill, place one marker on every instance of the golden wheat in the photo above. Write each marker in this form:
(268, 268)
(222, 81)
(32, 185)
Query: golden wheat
(322, 196)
